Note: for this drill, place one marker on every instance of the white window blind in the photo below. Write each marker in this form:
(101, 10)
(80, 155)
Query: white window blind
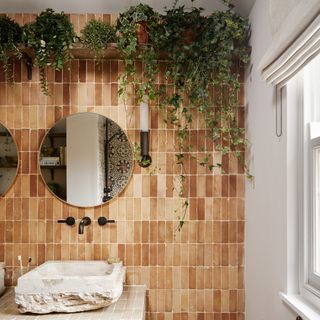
(296, 56)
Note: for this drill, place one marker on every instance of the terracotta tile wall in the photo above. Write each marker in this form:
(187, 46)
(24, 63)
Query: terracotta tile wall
(197, 275)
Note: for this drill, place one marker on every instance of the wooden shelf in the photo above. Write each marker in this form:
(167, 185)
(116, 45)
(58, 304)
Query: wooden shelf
(9, 166)
(57, 135)
(52, 167)
(111, 52)
(81, 52)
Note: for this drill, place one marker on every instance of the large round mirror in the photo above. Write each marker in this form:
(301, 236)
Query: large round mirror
(8, 160)
(86, 159)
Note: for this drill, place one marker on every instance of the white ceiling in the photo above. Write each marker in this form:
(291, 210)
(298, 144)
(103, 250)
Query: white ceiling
(111, 6)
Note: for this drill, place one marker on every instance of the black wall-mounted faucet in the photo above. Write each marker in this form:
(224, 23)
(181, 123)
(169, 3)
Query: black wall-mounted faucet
(103, 220)
(84, 222)
(70, 221)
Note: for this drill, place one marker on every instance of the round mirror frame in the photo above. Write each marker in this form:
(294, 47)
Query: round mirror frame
(18, 161)
(102, 203)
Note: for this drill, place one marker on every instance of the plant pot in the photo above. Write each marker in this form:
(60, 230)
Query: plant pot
(189, 35)
(142, 33)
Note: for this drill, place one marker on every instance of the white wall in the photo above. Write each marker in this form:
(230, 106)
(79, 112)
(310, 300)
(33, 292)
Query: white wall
(266, 197)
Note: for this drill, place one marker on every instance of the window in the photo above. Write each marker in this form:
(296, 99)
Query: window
(304, 90)
(296, 75)
(314, 263)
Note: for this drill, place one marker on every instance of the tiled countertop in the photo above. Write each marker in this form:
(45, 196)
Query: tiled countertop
(130, 306)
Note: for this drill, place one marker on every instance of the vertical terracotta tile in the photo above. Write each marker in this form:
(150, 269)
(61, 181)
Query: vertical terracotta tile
(98, 94)
(114, 94)
(17, 71)
(74, 73)
(90, 74)
(25, 93)
(114, 71)
(200, 209)
(33, 185)
(82, 70)
(106, 71)
(98, 68)
(66, 94)
(58, 76)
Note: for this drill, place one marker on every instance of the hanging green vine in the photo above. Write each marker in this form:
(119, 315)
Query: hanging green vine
(51, 37)
(10, 38)
(203, 55)
(128, 26)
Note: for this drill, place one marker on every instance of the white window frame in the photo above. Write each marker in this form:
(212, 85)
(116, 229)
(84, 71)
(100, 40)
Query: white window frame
(301, 284)
(292, 120)
(314, 170)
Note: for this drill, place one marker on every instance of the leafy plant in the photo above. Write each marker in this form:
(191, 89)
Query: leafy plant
(96, 35)
(204, 56)
(128, 25)
(10, 38)
(51, 37)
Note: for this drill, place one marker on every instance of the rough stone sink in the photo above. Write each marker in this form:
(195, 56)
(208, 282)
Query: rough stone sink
(69, 286)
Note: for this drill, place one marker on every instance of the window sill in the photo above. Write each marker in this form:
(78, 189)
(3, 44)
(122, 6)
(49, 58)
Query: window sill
(302, 307)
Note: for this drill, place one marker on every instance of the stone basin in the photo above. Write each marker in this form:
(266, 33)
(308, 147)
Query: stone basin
(69, 286)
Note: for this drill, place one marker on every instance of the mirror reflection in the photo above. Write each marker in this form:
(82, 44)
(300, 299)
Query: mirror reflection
(8, 160)
(86, 159)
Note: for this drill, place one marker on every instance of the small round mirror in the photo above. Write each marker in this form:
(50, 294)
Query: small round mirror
(86, 159)
(9, 162)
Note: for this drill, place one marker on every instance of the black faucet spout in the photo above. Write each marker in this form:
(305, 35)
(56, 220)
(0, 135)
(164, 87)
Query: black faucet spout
(84, 222)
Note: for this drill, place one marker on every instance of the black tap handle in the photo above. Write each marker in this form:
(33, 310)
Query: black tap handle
(70, 221)
(103, 220)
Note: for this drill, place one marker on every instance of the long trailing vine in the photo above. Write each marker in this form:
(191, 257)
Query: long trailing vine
(204, 51)
(127, 27)
(10, 39)
(52, 37)
(202, 55)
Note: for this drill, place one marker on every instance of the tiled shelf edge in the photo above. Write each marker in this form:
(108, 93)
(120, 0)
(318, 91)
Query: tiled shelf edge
(130, 306)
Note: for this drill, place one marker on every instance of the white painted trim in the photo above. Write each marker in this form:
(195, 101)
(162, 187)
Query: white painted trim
(293, 152)
(300, 283)
(313, 279)
(295, 57)
(314, 130)
(302, 307)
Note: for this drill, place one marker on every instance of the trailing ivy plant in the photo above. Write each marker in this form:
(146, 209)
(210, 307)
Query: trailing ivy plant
(52, 37)
(96, 35)
(128, 26)
(10, 38)
(204, 56)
